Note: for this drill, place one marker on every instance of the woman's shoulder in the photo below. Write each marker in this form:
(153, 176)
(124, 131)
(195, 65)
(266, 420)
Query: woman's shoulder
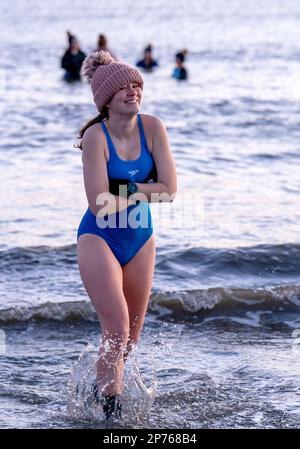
(148, 118)
(151, 122)
(152, 125)
(94, 138)
(92, 133)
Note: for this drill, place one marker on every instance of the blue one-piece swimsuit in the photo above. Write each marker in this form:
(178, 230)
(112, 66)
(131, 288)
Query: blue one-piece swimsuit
(124, 241)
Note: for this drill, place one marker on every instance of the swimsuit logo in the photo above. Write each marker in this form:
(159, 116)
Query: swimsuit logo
(133, 172)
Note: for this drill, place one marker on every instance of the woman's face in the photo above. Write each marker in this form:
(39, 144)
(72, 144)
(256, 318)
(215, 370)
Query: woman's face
(127, 100)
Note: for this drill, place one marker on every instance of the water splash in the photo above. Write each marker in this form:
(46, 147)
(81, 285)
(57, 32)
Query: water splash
(136, 398)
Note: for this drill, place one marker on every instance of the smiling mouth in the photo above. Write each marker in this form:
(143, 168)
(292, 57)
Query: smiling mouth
(131, 101)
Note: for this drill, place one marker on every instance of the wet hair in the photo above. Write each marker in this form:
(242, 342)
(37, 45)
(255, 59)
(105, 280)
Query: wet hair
(148, 48)
(180, 56)
(102, 41)
(71, 38)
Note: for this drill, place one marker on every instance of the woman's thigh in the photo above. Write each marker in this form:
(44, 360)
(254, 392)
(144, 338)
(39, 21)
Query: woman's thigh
(102, 277)
(137, 284)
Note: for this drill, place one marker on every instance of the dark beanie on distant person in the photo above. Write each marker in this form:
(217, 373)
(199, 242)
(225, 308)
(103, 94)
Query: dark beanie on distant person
(180, 56)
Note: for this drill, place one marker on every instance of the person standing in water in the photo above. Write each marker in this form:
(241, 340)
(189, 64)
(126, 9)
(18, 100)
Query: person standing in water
(72, 59)
(180, 72)
(116, 262)
(103, 45)
(147, 63)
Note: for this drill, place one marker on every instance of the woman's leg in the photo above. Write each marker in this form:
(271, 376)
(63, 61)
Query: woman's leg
(137, 284)
(102, 277)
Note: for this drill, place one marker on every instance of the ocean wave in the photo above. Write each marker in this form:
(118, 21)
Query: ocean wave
(228, 299)
(20, 259)
(259, 260)
(179, 304)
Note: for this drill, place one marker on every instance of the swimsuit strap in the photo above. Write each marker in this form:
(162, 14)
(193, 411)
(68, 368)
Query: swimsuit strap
(108, 138)
(142, 134)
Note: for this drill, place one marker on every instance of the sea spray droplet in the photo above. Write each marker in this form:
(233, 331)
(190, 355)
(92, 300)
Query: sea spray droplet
(136, 398)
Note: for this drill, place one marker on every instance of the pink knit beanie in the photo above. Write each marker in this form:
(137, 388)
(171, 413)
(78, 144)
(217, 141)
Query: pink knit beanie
(107, 76)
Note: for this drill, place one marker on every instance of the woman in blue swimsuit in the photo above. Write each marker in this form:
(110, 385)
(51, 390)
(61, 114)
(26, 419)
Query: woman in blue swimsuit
(115, 241)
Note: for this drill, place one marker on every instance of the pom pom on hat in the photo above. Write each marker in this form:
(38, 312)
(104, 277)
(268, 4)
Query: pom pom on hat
(93, 61)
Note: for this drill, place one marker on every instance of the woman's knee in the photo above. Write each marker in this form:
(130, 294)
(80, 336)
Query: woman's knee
(116, 330)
